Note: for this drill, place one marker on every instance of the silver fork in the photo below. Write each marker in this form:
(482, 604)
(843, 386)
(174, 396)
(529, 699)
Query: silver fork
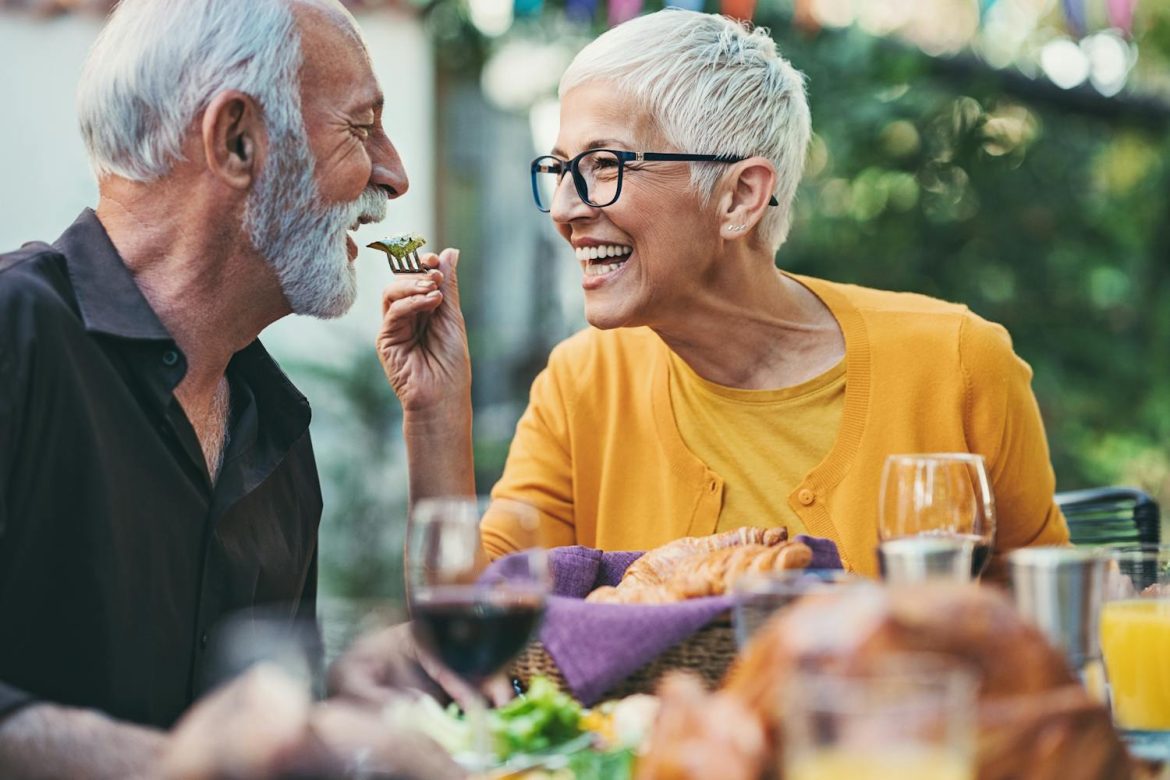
(406, 263)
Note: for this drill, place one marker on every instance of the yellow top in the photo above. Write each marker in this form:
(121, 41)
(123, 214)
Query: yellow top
(599, 454)
(769, 438)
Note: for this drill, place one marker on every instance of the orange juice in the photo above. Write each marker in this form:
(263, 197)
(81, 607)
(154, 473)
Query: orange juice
(1135, 640)
(916, 763)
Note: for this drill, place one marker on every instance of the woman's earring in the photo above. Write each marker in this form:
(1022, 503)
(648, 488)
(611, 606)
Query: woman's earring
(737, 228)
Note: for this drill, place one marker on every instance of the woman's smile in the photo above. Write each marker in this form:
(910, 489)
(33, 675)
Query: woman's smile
(601, 261)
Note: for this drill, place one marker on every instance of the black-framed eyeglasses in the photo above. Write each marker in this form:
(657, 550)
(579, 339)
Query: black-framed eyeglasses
(597, 173)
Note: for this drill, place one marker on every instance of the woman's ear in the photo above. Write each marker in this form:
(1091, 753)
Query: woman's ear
(748, 197)
(234, 138)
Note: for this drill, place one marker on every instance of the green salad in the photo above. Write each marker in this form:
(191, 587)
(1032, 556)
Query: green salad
(541, 719)
(542, 722)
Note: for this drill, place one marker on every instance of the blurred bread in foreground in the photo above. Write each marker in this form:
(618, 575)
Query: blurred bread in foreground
(1035, 721)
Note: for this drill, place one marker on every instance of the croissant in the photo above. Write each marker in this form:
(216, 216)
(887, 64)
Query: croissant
(635, 594)
(660, 564)
(723, 567)
(709, 573)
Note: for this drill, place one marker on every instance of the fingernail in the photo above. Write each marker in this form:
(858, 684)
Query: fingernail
(433, 294)
(424, 284)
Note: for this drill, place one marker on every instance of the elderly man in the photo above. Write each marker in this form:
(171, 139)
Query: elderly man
(156, 471)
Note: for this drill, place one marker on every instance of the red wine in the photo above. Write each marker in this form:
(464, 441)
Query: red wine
(475, 633)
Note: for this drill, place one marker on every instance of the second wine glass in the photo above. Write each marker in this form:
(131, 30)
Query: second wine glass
(944, 494)
(470, 616)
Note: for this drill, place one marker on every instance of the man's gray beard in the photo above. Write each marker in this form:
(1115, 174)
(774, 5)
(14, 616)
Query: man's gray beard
(303, 240)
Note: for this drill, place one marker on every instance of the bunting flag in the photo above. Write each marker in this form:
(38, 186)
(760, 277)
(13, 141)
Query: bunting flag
(1074, 14)
(686, 5)
(527, 8)
(985, 7)
(738, 9)
(580, 10)
(804, 18)
(623, 11)
(1121, 15)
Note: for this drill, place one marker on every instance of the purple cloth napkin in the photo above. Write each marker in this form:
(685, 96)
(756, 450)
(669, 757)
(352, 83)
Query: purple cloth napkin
(825, 555)
(596, 646)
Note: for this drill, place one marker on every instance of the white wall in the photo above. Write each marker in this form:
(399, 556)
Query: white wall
(45, 178)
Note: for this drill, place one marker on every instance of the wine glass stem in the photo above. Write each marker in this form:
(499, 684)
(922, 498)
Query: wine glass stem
(481, 737)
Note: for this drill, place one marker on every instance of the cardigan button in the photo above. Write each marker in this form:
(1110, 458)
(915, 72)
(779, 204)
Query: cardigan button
(806, 497)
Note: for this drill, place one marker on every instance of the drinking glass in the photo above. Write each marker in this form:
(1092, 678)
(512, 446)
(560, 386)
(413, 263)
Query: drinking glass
(910, 717)
(759, 596)
(1135, 641)
(943, 495)
(471, 617)
(1060, 589)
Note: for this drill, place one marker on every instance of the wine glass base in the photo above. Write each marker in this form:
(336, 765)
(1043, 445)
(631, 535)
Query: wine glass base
(1148, 745)
(474, 763)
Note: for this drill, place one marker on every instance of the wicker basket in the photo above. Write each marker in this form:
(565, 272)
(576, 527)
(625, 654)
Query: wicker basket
(708, 652)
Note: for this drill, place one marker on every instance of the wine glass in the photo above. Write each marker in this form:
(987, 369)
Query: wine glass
(470, 617)
(759, 595)
(907, 716)
(944, 496)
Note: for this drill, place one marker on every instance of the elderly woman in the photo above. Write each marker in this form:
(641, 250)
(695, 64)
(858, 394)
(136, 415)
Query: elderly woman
(712, 390)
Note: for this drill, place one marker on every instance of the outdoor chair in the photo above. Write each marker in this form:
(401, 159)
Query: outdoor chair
(1111, 516)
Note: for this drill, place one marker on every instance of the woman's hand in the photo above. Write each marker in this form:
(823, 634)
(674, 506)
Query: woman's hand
(423, 340)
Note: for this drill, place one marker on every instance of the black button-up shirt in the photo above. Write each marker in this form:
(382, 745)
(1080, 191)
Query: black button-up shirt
(118, 555)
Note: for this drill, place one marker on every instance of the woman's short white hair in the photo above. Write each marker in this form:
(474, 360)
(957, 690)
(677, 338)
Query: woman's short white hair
(158, 63)
(713, 86)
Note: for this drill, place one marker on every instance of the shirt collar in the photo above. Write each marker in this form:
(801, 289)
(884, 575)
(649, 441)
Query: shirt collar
(111, 303)
(107, 295)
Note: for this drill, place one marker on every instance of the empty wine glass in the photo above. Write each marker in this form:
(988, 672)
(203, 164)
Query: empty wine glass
(760, 595)
(945, 495)
(471, 617)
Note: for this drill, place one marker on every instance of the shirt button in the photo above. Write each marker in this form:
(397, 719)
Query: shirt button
(203, 639)
(806, 496)
(170, 358)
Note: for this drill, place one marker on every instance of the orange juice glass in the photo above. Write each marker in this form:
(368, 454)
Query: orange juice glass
(1135, 643)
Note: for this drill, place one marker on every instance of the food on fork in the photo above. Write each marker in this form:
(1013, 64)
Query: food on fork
(402, 252)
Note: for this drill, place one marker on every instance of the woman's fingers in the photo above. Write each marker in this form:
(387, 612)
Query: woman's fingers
(401, 318)
(407, 285)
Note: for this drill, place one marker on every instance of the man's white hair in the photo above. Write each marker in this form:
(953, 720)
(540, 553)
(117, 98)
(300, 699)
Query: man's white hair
(713, 86)
(158, 63)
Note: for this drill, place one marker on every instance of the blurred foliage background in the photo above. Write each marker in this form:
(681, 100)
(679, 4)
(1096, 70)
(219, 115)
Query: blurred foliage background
(942, 165)
(1038, 212)
(960, 167)
(1009, 154)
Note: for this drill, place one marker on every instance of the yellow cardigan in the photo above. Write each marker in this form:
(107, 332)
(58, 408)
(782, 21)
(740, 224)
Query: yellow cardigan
(598, 453)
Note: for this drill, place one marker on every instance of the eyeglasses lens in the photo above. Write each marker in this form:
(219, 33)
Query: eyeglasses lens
(599, 170)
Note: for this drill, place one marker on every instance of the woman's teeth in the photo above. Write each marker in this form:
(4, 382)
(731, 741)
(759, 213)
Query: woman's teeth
(590, 255)
(599, 269)
(585, 253)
